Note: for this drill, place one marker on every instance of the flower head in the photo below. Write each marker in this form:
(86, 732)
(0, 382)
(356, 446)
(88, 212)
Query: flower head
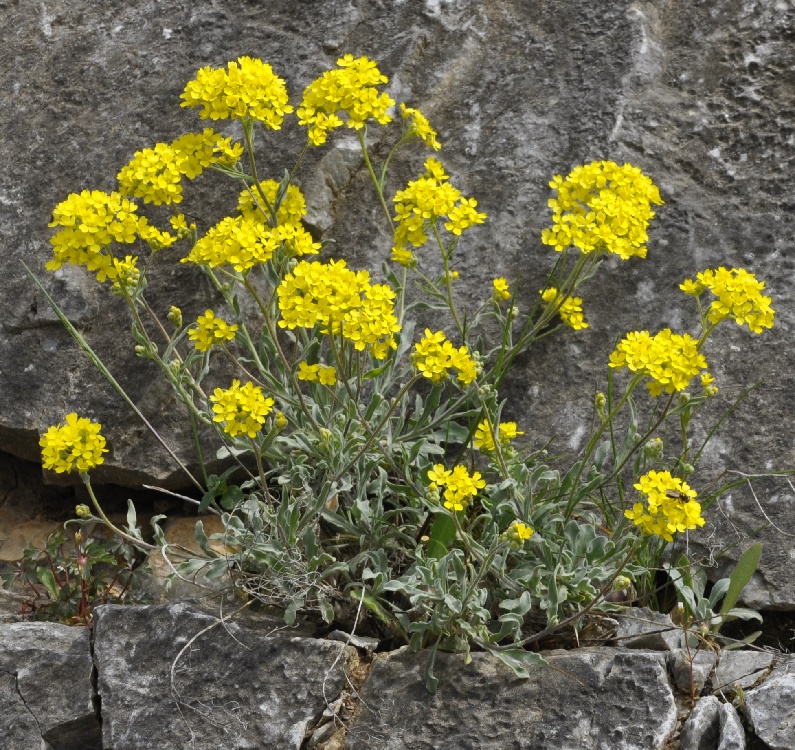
(739, 297)
(74, 445)
(434, 356)
(501, 290)
(517, 534)
(350, 89)
(211, 331)
(420, 127)
(602, 206)
(670, 360)
(323, 374)
(242, 409)
(459, 486)
(671, 506)
(247, 88)
(484, 435)
(570, 309)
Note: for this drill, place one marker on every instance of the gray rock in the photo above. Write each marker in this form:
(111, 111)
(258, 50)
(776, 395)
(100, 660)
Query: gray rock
(691, 672)
(46, 693)
(712, 725)
(594, 699)
(232, 686)
(741, 668)
(644, 629)
(770, 708)
(697, 94)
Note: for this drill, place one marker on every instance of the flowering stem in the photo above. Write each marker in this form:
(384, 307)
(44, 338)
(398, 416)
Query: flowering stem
(127, 537)
(378, 186)
(448, 283)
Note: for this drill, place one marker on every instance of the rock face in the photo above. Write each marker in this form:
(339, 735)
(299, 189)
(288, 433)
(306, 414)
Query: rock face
(697, 94)
(173, 677)
(596, 699)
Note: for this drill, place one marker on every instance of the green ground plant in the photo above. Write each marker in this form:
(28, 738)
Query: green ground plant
(369, 462)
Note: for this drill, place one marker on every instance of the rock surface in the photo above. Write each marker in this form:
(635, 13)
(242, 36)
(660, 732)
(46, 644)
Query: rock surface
(46, 693)
(712, 725)
(592, 699)
(697, 94)
(770, 708)
(230, 687)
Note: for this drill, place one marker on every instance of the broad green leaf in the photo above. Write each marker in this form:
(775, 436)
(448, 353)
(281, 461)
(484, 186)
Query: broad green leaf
(47, 578)
(741, 575)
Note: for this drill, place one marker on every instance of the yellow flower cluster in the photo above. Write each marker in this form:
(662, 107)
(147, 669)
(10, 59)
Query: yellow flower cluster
(350, 88)
(74, 445)
(291, 209)
(434, 356)
(155, 174)
(242, 408)
(248, 88)
(739, 296)
(90, 221)
(671, 506)
(340, 302)
(602, 206)
(670, 360)
(404, 257)
(570, 310)
(484, 435)
(323, 374)
(427, 199)
(501, 290)
(126, 275)
(420, 127)
(211, 331)
(517, 534)
(459, 487)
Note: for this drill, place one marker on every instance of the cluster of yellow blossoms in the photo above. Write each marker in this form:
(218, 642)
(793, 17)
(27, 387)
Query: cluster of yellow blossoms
(671, 506)
(459, 487)
(420, 127)
(91, 221)
(74, 445)
(501, 290)
(570, 309)
(340, 302)
(211, 331)
(291, 209)
(602, 206)
(670, 360)
(739, 296)
(248, 88)
(425, 200)
(484, 435)
(348, 89)
(434, 356)
(155, 174)
(243, 409)
(323, 374)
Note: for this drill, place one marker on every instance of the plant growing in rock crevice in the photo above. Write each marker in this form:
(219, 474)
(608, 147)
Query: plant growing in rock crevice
(372, 461)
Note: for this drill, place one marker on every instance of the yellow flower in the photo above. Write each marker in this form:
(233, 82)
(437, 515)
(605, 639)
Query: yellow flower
(317, 373)
(434, 356)
(459, 486)
(248, 88)
(243, 409)
(484, 435)
(671, 506)
(420, 126)
(127, 275)
(349, 89)
(670, 360)
(404, 257)
(501, 290)
(602, 207)
(570, 309)
(739, 297)
(211, 331)
(517, 534)
(74, 445)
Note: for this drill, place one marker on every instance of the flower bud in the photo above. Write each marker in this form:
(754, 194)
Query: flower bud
(175, 316)
(599, 403)
(514, 312)
(280, 421)
(78, 538)
(684, 398)
(83, 511)
(621, 583)
(688, 469)
(326, 435)
(653, 450)
(433, 496)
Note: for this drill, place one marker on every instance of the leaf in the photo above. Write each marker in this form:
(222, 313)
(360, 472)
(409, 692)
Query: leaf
(291, 613)
(326, 610)
(442, 535)
(518, 660)
(47, 578)
(741, 575)
(431, 681)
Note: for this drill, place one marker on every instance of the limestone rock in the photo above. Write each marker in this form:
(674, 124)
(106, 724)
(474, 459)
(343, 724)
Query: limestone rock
(593, 699)
(46, 694)
(713, 726)
(741, 668)
(770, 708)
(644, 629)
(691, 671)
(232, 687)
